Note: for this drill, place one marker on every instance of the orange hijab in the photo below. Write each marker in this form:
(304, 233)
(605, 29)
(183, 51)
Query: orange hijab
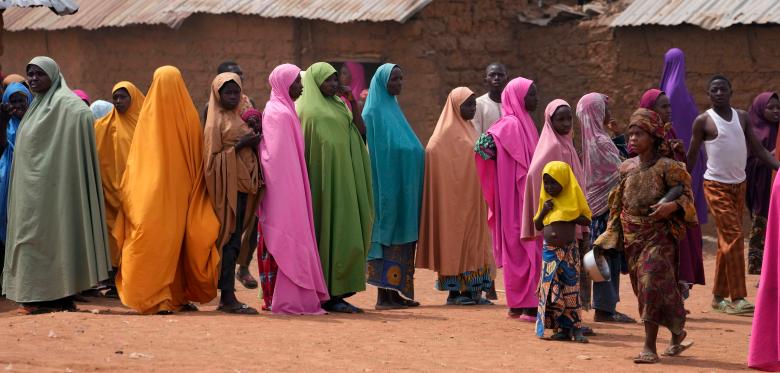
(113, 136)
(454, 236)
(228, 171)
(167, 225)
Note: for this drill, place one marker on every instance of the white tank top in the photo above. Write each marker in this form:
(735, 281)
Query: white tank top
(727, 153)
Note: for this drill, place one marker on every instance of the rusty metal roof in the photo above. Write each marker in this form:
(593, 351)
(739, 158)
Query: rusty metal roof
(707, 14)
(61, 7)
(95, 14)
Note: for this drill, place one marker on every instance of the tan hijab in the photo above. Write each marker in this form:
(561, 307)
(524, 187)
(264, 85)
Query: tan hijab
(454, 236)
(228, 171)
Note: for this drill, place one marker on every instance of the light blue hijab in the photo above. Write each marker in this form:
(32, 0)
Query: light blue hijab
(397, 167)
(8, 154)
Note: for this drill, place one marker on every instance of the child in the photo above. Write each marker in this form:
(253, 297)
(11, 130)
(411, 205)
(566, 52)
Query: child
(562, 206)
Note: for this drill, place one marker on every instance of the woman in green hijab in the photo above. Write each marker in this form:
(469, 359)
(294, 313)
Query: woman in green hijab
(340, 178)
(56, 241)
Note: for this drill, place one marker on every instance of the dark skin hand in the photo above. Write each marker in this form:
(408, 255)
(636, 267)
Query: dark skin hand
(331, 87)
(531, 99)
(704, 128)
(496, 79)
(559, 233)
(122, 100)
(37, 79)
(468, 109)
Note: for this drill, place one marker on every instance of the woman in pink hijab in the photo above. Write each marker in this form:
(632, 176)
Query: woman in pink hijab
(504, 154)
(555, 144)
(285, 210)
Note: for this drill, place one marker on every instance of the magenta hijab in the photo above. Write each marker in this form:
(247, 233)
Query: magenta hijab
(503, 181)
(765, 131)
(286, 217)
(600, 156)
(649, 98)
(551, 147)
(358, 83)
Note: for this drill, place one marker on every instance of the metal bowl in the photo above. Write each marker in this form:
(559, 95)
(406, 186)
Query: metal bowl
(596, 265)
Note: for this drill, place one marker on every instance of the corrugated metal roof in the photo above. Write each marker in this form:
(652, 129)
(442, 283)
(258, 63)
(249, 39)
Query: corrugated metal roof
(117, 13)
(707, 14)
(61, 7)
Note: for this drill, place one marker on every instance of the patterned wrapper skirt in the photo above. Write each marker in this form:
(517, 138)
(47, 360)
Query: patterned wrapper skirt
(559, 289)
(395, 270)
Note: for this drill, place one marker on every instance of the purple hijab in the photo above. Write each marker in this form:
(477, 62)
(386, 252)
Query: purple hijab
(759, 175)
(684, 112)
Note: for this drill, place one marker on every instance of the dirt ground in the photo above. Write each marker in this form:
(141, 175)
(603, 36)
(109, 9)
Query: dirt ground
(433, 337)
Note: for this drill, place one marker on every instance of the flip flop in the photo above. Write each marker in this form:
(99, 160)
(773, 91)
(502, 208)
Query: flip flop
(646, 358)
(460, 301)
(527, 318)
(740, 308)
(720, 306)
(35, 310)
(247, 280)
(677, 349)
(484, 302)
(615, 317)
(238, 309)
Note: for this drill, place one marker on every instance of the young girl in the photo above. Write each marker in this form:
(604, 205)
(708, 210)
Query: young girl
(562, 207)
(648, 227)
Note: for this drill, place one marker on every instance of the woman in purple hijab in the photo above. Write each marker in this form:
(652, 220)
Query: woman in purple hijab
(684, 111)
(764, 116)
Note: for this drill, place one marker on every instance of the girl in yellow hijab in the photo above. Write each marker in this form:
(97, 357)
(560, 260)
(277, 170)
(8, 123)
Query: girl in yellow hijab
(562, 207)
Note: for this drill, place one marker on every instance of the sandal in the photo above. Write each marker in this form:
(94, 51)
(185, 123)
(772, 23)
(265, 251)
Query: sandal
(646, 358)
(483, 302)
(720, 306)
(677, 349)
(246, 279)
(238, 309)
(341, 307)
(615, 317)
(189, 307)
(35, 310)
(740, 308)
(527, 318)
(460, 301)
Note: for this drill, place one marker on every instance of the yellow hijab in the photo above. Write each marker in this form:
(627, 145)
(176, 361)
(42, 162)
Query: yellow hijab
(113, 136)
(570, 203)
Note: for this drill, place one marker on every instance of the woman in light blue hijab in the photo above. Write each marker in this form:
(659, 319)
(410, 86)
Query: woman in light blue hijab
(397, 167)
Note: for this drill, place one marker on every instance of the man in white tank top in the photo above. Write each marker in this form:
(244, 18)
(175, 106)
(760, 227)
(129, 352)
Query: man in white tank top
(727, 135)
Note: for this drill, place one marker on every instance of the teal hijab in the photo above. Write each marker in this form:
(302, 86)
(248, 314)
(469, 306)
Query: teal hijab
(56, 240)
(397, 167)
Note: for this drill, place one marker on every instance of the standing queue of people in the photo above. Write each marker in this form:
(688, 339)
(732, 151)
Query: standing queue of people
(342, 193)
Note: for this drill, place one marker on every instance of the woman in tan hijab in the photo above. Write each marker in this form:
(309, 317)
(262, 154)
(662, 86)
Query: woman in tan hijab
(232, 178)
(454, 238)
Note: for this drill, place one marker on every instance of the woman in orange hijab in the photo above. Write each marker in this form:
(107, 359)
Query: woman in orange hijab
(232, 178)
(113, 136)
(166, 228)
(454, 238)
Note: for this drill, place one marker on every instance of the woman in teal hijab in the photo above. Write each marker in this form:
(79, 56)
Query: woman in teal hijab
(397, 168)
(340, 179)
(16, 100)
(56, 241)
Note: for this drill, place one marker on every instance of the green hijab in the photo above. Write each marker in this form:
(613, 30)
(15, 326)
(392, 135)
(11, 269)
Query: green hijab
(56, 244)
(340, 178)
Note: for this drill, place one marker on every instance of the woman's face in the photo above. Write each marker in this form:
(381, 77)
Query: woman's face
(18, 103)
(772, 111)
(531, 99)
(230, 95)
(296, 88)
(663, 108)
(122, 100)
(396, 82)
(639, 140)
(37, 79)
(345, 76)
(562, 120)
(468, 108)
(330, 86)
(551, 186)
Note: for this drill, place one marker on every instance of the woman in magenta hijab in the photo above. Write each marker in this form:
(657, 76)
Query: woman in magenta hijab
(764, 116)
(691, 263)
(285, 210)
(684, 111)
(504, 154)
(764, 353)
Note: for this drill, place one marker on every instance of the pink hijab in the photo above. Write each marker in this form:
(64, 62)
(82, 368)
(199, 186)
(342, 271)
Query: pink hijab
(286, 215)
(503, 181)
(600, 156)
(551, 147)
(358, 78)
